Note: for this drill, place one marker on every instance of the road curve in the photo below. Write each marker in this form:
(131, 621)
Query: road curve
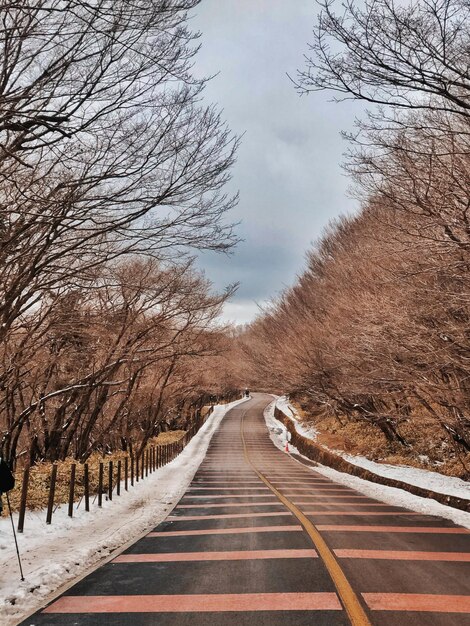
(259, 539)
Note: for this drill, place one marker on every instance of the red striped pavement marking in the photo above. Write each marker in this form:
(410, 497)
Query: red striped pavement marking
(302, 482)
(402, 555)
(227, 482)
(299, 476)
(224, 481)
(394, 529)
(228, 489)
(197, 603)
(235, 555)
(182, 518)
(417, 602)
(225, 504)
(332, 497)
(313, 492)
(209, 505)
(321, 490)
(359, 513)
(227, 531)
(311, 499)
(342, 503)
(234, 495)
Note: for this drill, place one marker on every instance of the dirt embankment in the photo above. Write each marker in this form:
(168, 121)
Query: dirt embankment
(427, 445)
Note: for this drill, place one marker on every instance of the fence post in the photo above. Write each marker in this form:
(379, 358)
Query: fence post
(24, 495)
(73, 468)
(50, 504)
(86, 480)
(100, 485)
(118, 479)
(132, 471)
(126, 473)
(146, 463)
(110, 480)
(142, 465)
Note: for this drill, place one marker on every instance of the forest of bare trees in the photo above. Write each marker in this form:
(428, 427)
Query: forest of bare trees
(377, 328)
(111, 172)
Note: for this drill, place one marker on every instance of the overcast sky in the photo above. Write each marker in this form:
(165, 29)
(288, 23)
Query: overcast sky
(288, 169)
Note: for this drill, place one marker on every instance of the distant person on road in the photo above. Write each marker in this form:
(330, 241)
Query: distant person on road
(247, 393)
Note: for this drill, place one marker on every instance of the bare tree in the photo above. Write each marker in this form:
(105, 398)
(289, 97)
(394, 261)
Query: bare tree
(106, 147)
(107, 154)
(375, 329)
(103, 370)
(412, 56)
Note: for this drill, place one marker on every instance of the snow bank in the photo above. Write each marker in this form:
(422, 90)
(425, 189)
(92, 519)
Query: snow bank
(55, 555)
(389, 495)
(434, 481)
(309, 431)
(425, 479)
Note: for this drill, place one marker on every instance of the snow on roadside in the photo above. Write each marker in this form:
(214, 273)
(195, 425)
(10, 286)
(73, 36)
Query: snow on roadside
(389, 495)
(309, 431)
(448, 485)
(56, 554)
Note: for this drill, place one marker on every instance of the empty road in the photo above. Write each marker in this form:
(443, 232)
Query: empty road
(259, 539)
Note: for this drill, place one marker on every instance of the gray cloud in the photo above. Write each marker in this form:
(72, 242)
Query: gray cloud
(288, 170)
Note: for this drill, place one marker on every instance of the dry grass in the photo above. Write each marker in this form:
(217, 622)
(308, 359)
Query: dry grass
(429, 448)
(40, 476)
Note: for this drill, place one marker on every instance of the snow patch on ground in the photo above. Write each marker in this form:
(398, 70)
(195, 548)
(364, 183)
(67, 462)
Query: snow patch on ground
(389, 495)
(277, 431)
(414, 476)
(448, 485)
(56, 554)
(306, 430)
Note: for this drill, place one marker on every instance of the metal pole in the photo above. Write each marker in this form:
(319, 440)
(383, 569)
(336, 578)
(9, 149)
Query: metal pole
(14, 535)
(71, 489)
(50, 503)
(24, 495)
(86, 480)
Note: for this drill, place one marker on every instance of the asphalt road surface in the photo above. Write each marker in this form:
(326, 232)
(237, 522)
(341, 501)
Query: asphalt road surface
(259, 539)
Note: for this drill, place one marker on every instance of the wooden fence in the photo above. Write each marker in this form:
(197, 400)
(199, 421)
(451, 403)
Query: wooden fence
(113, 476)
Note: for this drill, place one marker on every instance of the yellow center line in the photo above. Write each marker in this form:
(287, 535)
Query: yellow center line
(349, 599)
